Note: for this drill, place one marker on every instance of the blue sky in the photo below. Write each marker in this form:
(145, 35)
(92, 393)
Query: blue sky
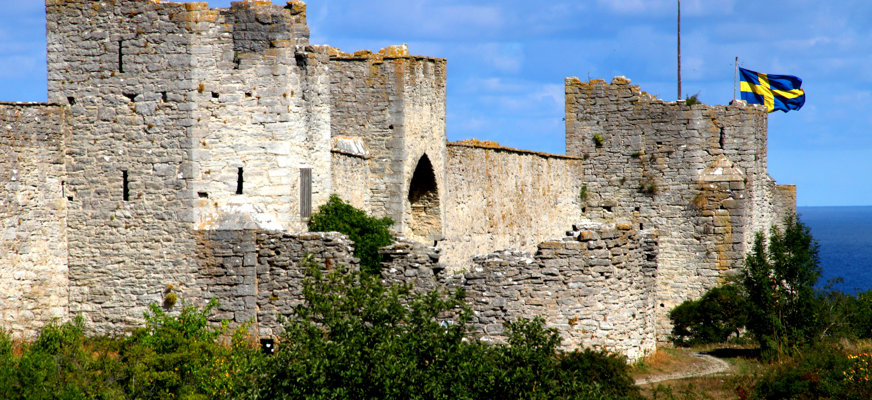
(507, 60)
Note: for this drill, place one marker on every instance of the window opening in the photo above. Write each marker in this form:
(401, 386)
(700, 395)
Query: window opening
(239, 181)
(305, 192)
(120, 56)
(125, 194)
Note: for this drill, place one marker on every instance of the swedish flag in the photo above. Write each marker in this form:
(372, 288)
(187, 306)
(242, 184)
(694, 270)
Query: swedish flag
(776, 92)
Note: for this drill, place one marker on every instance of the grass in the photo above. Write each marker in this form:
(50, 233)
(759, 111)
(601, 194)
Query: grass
(744, 368)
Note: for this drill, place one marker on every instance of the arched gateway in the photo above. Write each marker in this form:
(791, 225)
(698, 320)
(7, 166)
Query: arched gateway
(425, 223)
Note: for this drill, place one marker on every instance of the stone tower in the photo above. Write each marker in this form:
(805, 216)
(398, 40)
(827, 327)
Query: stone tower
(395, 104)
(182, 118)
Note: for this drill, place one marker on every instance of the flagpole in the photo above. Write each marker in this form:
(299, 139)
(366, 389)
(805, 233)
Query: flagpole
(735, 77)
(679, 49)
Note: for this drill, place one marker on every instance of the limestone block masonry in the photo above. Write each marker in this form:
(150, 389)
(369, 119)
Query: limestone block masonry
(184, 149)
(595, 286)
(504, 198)
(33, 228)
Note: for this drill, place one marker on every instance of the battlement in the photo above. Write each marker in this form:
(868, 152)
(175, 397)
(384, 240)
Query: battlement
(400, 51)
(492, 145)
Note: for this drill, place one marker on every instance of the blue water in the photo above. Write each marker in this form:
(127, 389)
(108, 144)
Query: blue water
(845, 238)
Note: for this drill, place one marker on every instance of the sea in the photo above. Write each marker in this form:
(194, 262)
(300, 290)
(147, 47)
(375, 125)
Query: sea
(845, 238)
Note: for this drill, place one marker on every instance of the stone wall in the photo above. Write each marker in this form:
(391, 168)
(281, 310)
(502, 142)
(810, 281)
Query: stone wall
(33, 225)
(696, 173)
(499, 198)
(350, 171)
(595, 286)
(395, 103)
(258, 275)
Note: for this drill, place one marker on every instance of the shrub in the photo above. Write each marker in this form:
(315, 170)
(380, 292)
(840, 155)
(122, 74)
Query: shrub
(648, 186)
(353, 337)
(368, 233)
(717, 315)
(598, 140)
(822, 371)
(179, 356)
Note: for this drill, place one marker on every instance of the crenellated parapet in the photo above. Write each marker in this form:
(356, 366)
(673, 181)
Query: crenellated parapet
(696, 173)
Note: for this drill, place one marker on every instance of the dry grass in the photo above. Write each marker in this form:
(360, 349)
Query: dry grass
(665, 360)
(744, 366)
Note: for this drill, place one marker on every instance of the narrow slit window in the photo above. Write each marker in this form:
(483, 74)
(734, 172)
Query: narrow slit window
(305, 193)
(239, 180)
(125, 194)
(120, 56)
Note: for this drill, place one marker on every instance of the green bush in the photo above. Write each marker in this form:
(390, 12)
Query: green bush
(368, 233)
(819, 372)
(717, 315)
(172, 357)
(180, 356)
(354, 338)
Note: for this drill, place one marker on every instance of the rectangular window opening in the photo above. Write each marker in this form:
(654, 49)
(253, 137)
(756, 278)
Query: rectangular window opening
(239, 181)
(120, 56)
(125, 194)
(305, 193)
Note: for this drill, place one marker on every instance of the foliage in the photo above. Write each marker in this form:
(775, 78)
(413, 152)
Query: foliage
(172, 357)
(179, 355)
(719, 314)
(598, 140)
(822, 371)
(648, 186)
(368, 233)
(353, 338)
(779, 280)
(692, 100)
(60, 364)
(356, 338)
(583, 194)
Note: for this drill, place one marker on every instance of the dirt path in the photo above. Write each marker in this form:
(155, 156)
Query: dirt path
(710, 365)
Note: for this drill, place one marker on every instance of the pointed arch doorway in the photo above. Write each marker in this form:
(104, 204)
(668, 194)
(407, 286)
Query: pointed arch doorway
(425, 221)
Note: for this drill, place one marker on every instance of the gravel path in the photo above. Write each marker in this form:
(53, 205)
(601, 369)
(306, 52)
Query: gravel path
(710, 365)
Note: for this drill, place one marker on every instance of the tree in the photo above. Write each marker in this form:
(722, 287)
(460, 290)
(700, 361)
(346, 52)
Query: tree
(368, 233)
(718, 314)
(779, 280)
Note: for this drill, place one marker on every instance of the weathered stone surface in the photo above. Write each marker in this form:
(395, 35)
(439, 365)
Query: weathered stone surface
(677, 166)
(185, 146)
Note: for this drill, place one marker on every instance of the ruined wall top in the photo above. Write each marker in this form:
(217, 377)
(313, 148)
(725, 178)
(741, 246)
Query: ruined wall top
(284, 24)
(492, 145)
(399, 51)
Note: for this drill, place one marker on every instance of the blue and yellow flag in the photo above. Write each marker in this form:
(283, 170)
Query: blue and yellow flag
(776, 92)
